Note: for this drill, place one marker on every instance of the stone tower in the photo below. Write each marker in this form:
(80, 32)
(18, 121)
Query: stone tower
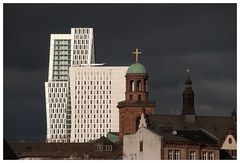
(136, 99)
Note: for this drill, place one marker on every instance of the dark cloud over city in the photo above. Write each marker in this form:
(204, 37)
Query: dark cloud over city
(172, 37)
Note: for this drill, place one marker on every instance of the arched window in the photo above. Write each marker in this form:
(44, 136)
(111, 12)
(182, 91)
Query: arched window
(139, 85)
(131, 85)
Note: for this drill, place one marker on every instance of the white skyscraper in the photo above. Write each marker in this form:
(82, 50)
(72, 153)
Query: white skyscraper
(95, 93)
(65, 50)
(81, 97)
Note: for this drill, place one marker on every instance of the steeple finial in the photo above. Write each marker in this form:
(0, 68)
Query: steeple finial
(188, 81)
(137, 53)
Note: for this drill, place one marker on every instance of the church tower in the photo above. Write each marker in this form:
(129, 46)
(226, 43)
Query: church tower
(188, 97)
(136, 99)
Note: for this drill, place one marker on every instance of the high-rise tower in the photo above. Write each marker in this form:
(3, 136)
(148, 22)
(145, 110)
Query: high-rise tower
(95, 92)
(75, 49)
(81, 96)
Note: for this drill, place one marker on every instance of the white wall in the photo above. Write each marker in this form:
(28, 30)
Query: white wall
(151, 145)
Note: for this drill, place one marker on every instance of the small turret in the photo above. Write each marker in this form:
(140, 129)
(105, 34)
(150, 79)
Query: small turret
(188, 97)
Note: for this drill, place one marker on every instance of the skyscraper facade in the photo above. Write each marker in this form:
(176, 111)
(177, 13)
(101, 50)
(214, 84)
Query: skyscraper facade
(95, 92)
(69, 104)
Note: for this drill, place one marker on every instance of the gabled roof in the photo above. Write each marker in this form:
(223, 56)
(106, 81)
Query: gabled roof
(213, 125)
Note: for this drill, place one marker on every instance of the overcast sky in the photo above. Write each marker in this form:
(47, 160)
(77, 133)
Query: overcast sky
(171, 37)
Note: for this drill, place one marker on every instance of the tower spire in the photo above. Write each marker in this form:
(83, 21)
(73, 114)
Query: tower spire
(188, 81)
(188, 97)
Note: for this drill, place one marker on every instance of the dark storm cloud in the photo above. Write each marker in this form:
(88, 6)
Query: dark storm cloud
(172, 38)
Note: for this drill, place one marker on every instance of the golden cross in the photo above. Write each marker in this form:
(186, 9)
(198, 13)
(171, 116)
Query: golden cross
(137, 53)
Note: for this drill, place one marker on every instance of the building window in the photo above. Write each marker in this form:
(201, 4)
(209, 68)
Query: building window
(177, 155)
(170, 155)
(192, 155)
(207, 155)
(139, 85)
(141, 146)
(131, 85)
(204, 155)
(211, 155)
(174, 155)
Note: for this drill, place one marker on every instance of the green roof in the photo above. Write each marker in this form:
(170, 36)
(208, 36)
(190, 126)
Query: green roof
(136, 68)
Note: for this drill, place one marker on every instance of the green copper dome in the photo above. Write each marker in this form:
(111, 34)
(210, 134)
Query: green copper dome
(136, 68)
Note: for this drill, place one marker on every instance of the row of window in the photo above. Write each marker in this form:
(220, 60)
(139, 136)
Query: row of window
(83, 54)
(93, 73)
(56, 128)
(62, 47)
(60, 78)
(89, 78)
(57, 84)
(81, 36)
(57, 120)
(62, 57)
(57, 110)
(78, 62)
(80, 57)
(62, 63)
(79, 42)
(57, 105)
(62, 67)
(96, 103)
(57, 136)
(56, 98)
(90, 121)
(101, 111)
(57, 116)
(94, 115)
(176, 155)
(92, 97)
(64, 52)
(91, 102)
(58, 90)
(62, 42)
(86, 125)
(90, 83)
(78, 49)
(81, 31)
(87, 130)
(57, 72)
(85, 86)
(60, 96)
